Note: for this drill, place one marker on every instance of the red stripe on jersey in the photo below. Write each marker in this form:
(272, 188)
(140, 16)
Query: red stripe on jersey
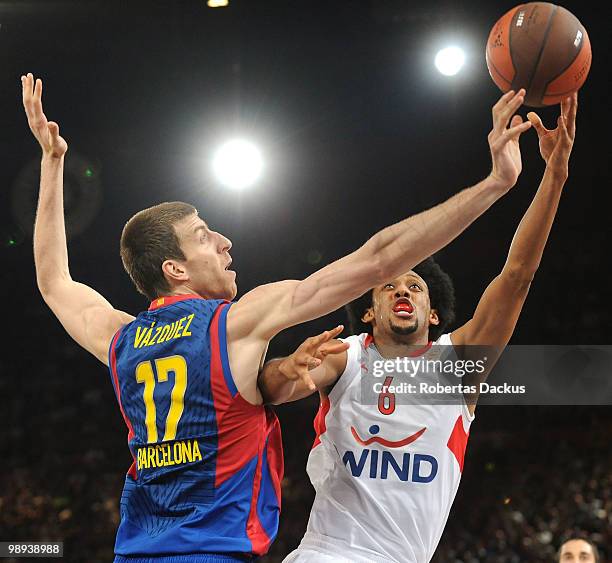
(274, 451)
(113, 358)
(240, 425)
(255, 531)
(369, 339)
(170, 299)
(421, 351)
(458, 442)
(319, 421)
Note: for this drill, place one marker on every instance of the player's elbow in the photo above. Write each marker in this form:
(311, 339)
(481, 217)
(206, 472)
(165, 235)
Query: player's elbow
(519, 277)
(50, 286)
(45, 286)
(377, 267)
(272, 394)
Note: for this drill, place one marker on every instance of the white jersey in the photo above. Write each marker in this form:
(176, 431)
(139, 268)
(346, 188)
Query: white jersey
(385, 475)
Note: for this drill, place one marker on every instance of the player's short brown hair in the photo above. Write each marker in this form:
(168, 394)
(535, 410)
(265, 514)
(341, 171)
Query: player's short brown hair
(148, 239)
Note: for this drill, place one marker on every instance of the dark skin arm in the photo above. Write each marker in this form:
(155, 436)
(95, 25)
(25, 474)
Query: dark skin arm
(501, 303)
(316, 364)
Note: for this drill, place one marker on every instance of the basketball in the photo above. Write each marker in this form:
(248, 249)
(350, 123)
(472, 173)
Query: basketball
(540, 47)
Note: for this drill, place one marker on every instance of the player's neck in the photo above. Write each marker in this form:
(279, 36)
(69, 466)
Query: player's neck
(399, 345)
(184, 290)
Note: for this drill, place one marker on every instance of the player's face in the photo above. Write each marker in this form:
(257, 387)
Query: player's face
(576, 551)
(207, 259)
(401, 307)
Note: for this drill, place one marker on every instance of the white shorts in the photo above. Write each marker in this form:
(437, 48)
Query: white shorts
(304, 555)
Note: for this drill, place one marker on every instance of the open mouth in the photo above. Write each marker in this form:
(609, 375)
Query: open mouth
(403, 308)
(228, 265)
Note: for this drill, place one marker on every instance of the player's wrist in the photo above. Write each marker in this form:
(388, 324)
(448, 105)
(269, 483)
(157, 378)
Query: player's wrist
(556, 172)
(50, 157)
(496, 183)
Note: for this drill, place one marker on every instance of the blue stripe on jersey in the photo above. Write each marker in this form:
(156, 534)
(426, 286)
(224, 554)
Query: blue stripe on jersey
(268, 509)
(111, 347)
(227, 372)
(189, 558)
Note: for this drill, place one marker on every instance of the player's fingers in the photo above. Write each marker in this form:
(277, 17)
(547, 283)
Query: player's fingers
(315, 341)
(503, 101)
(535, 120)
(510, 109)
(312, 362)
(571, 114)
(27, 91)
(305, 377)
(562, 125)
(37, 97)
(516, 120)
(38, 89)
(333, 348)
(54, 129)
(565, 102)
(336, 331)
(512, 133)
(23, 88)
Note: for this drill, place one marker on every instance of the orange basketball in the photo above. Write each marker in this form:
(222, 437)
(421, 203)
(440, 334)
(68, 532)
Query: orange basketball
(542, 48)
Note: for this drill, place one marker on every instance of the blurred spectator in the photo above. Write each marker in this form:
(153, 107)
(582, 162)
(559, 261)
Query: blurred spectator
(578, 550)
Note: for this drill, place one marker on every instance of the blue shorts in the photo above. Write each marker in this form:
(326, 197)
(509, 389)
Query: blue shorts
(188, 558)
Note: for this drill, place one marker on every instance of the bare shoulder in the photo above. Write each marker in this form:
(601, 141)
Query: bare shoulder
(101, 325)
(253, 312)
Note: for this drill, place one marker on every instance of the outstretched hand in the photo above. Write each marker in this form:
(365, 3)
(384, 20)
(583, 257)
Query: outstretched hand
(504, 138)
(46, 132)
(310, 354)
(556, 144)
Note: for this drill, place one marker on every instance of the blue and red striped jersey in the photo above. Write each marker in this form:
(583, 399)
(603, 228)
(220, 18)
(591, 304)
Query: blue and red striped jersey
(207, 463)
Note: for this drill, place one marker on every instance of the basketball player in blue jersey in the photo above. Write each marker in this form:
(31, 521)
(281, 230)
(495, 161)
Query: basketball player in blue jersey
(386, 475)
(207, 460)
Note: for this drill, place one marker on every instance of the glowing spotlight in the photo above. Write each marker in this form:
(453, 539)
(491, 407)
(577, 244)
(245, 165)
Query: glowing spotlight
(237, 164)
(450, 60)
(217, 3)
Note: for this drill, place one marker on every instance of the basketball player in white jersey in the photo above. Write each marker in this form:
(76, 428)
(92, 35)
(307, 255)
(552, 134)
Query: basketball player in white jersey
(386, 474)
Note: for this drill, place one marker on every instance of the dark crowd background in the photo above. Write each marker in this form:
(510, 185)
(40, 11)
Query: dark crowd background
(358, 131)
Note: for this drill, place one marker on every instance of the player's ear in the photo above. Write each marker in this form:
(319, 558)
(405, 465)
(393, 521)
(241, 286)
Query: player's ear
(368, 316)
(175, 271)
(433, 317)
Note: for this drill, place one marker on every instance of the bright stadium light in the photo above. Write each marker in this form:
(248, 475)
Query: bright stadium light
(237, 164)
(450, 60)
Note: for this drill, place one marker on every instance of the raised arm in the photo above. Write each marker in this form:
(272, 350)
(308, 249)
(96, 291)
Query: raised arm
(269, 309)
(500, 306)
(84, 313)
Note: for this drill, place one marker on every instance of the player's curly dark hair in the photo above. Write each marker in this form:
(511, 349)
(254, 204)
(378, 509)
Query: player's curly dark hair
(441, 297)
